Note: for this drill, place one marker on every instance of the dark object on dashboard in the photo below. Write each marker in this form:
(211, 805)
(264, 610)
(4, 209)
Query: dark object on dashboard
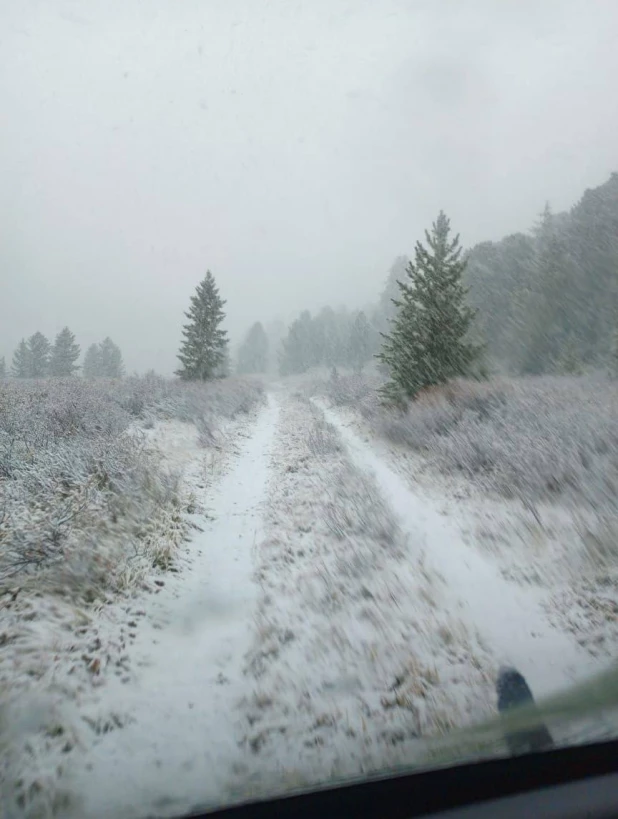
(513, 692)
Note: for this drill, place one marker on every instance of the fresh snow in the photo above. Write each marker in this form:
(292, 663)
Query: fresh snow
(510, 618)
(324, 620)
(180, 738)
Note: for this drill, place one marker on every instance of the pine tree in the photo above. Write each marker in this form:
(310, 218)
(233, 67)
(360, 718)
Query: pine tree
(253, 353)
(570, 362)
(110, 360)
(275, 332)
(298, 351)
(39, 349)
(20, 366)
(203, 352)
(331, 341)
(552, 300)
(91, 368)
(64, 354)
(360, 342)
(2, 368)
(428, 343)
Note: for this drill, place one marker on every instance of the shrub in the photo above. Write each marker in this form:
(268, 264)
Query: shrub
(536, 437)
(80, 490)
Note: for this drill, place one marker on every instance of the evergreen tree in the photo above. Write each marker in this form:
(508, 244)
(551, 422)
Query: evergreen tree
(2, 368)
(552, 300)
(428, 343)
(110, 359)
(64, 354)
(253, 353)
(360, 342)
(331, 343)
(499, 275)
(298, 350)
(276, 332)
(91, 367)
(39, 349)
(570, 362)
(203, 353)
(20, 367)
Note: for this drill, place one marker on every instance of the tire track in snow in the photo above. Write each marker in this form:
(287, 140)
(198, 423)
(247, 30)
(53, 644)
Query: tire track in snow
(180, 747)
(509, 618)
(357, 661)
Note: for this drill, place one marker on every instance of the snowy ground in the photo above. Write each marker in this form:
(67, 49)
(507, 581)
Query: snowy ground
(325, 618)
(561, 552)
(182, 707)
(509, 616)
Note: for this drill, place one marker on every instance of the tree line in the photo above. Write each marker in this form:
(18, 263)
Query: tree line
(532, 304)
(36, 357)
(428, 340)
(548, 299)
(330, 338)
(529, 304)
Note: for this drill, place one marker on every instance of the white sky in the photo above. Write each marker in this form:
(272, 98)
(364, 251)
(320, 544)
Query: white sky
(294, 147)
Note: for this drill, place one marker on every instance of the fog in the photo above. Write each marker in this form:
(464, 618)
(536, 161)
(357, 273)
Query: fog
(293, 148)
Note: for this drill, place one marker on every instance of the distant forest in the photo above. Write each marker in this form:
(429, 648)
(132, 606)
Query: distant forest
(547, 300)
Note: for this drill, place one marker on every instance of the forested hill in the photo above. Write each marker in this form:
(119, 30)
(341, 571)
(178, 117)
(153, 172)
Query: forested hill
(548, 300)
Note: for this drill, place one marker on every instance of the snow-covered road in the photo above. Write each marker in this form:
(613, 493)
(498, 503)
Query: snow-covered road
(326, 620)
(510, 618)
(180, 743)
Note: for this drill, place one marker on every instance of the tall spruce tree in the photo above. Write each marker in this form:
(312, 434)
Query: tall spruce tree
(64, 354)
(2, 368)
(20, 366)
(360, 342)
(253, 352)
(298, 349)
(429, 340)
(331, 339)
(91, 368)
(275, 331)
(110, 360)
(552, 303)
(39, 349)
(203, 353)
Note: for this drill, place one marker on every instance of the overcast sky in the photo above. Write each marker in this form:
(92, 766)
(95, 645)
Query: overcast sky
(294, 147)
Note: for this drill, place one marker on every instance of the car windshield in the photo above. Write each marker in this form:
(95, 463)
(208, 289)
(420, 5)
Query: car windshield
(308, 393)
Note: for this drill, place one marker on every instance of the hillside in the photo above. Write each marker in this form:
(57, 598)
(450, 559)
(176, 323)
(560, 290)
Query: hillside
(548, 300)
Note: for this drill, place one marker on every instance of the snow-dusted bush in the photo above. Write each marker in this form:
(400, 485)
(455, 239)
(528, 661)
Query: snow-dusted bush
(322, 438)
(208, 404)
(533, 437)
(350, 390)
(540, 438)
(193, 401)
(77, 492)
(81, 492)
